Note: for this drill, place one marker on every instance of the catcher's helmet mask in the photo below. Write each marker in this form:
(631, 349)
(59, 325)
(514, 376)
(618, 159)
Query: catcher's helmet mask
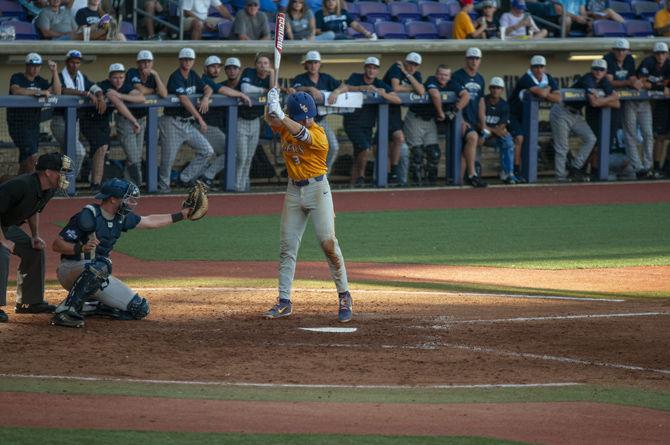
(301, 106)
(121, 189)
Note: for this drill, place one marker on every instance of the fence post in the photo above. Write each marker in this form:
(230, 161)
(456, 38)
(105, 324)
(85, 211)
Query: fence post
(230, 172)
(71, 143)
(152, 149)
(455, 140)
(604, 140)
(531, 110)
(381, 160)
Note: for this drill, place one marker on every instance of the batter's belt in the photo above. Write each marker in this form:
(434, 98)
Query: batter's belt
(307, 181)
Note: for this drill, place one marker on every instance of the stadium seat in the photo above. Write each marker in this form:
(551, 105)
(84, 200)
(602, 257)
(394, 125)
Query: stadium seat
(433, 11)
(390, 30)
(213, 12)
(404, 12)
(225, 28)
(638, 28)
(445, 29)
(623, 8)
(645, 10)
(12, 9)
(421, 30)
(24, 30)
(352, 9)
(373, 12)
(608, 28)
(128, 30)
(357, 35)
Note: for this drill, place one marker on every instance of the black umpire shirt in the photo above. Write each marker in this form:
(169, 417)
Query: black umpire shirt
(21, 197)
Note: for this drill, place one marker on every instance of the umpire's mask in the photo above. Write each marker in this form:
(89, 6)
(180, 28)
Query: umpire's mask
(58, 162)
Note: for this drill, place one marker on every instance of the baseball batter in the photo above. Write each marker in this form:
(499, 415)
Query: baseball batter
(305, 147)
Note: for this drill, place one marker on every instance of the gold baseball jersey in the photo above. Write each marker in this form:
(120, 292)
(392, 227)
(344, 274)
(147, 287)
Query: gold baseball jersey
(304, 160)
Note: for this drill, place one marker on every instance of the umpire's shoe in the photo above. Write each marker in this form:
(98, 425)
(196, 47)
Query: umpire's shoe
(345, 311)
(283, 308)
(68, 319)
(3, 317)
(36, 308)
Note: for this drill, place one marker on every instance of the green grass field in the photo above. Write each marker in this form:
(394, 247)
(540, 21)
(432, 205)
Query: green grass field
(525, 237)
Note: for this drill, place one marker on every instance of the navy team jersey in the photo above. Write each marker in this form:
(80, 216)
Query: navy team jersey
(496, 114)
(394, 72)
(524, 83)
(26, 116)
(475, 85)
(326, 82)
(181, 86)
(90, 220)
(216, 115)
(332, 22)
(105, 86)
(589, 84)
(133, 78)
(653, 73)
(623, 72)
(427, 111)
(250, 76)
(87, 17)
(87, 86)
(366, 116)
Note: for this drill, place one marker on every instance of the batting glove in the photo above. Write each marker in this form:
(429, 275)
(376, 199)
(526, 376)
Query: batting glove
(273, 96)
(275, 110)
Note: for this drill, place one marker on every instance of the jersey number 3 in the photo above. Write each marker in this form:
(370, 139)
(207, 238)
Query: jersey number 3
(296, 160)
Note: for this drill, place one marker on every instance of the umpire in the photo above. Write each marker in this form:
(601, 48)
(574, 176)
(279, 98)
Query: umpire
(21, 199)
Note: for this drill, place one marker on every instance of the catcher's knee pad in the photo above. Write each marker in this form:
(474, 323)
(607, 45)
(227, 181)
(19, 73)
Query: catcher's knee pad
(416, 154)
(94, 277)
(433, 154)
(138, 307)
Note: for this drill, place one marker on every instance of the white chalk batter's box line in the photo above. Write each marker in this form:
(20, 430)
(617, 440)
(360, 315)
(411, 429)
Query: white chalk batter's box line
(288, 385)
(447, 322)
(369, 291)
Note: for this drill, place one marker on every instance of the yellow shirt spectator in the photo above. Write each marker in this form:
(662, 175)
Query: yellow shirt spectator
(462, 26)
(662, 20)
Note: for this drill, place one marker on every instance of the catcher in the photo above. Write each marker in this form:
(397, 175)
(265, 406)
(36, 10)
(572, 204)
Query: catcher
(86, 242)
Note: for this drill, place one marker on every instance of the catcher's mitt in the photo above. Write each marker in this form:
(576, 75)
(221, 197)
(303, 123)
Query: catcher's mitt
(196, 201)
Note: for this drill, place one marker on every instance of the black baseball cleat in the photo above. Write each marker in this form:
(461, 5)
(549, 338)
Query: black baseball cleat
(36, 308)
(3, 317)
(67, 319)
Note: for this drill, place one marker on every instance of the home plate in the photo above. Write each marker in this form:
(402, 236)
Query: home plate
(331, 330)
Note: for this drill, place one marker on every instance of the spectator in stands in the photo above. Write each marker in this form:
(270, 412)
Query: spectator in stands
(146, 80)
(567, 117)
(74, 83)
(488, 11)
(257, 80)
(421, 125)
(300, 22)
(518, 23)
(152, 8)
(24, 123)
(403, 77)
(178, 124)
(56, 23)
(463, 26)
(662, 21)
(468, 78)
(332, 21)
(314, 82)
(598, 10)
(576, 17)
(654, 72)
(250, 23)
(548, 10)
(621, 73)
(539, 83)
(496, 121)
(216, 121)
(359, 124)
(102, 26)
(196, 16)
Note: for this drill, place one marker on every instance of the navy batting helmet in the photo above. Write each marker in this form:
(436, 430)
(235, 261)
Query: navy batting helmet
(300, 106)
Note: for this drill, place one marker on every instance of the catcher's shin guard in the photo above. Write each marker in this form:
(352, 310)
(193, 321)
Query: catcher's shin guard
(433, 162)
(93, 278)
(416, 164)
(138, 307)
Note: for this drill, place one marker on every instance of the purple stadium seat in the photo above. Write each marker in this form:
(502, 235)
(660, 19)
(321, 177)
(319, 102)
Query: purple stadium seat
(645, 10)
(638, 28)
(373, 11)
(404, 12)
(24, 30)
(608, 28)
(352, 9)
(434, 10)
(623, 8)
(390, 30)
(225, 28)
(12, 9)
(128, 30)
(445, 29)
(421, 30)
(357, 35)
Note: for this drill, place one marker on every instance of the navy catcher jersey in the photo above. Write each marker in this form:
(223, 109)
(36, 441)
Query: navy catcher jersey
(655, 74)
(26, 116)
(475, 85)
(366, 116)
(181, 86)
(250, 76)
(90, 220)
(326, 82)
(526, 82)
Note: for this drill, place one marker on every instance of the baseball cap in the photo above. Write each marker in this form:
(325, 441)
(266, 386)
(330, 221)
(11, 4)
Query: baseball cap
(54, 161)
(473, 52)
(538, 60)
(212, 60)
(33, 59)
(233, 61)
(519, 4)
(413, 57)
(186, 53)
(488, 3)
(599, 63)
(660, 47)
(497, 82)
(372, 61)
(300, 106)
(116, 67)
(621, 44)
(145, 54)
(73, 54)
(312, 56)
